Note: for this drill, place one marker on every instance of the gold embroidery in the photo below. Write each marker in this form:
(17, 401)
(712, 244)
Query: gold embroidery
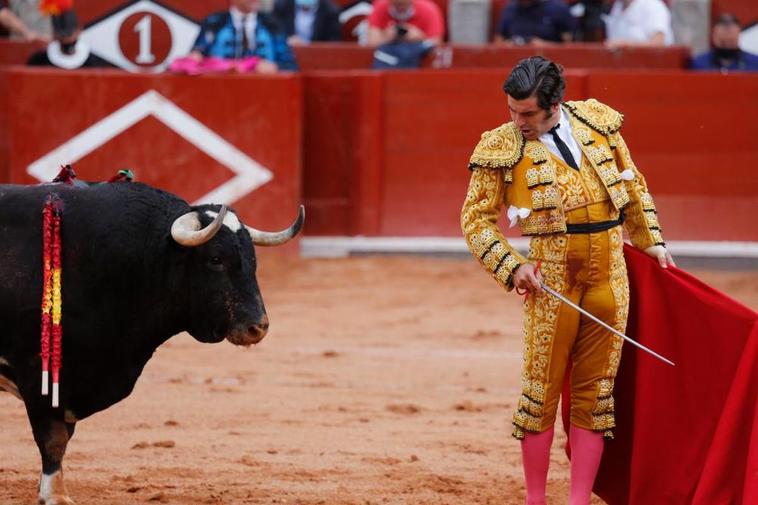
(569, 182)
(584, 135)
(597, 115)
(538, 200)
(610, 174)
(599, 154)
(502, 147)
(539, 222)
(479, 216)
(652, 220)
(647, 202)
(619, 196)
(540, 322)
(537, 152)
(603, 410)
(547, 173)
(548, 248)
(552, 198)
(532, 177)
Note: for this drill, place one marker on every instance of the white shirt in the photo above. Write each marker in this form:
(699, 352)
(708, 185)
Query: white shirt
(249, 20)
(304, 20)
(639, 22)
(565, 132)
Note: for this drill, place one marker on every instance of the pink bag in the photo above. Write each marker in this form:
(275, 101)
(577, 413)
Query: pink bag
(212, 65)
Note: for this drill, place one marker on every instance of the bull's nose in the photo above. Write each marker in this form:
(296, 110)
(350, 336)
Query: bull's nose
(258, 331)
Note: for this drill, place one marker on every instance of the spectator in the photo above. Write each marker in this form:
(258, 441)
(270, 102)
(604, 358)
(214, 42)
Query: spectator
(726, 54)
(536, 22)
(10, 23)
(66, 50)
(306, 21)
(589, 15)
(244, 32)
(405, 20)
(639, 23)
(32, 13)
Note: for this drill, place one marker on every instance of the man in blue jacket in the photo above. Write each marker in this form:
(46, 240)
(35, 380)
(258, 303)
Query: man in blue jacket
(243, 32)
(726, 54)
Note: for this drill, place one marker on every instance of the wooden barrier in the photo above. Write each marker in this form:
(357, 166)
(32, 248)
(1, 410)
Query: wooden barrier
(595, 56)
(13, 52)
(347, 56)
(208, 138)
(341, 56)
(382, 153)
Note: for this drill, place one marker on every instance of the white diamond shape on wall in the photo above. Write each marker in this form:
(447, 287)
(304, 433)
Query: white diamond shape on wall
(103, 36)
(250, 174)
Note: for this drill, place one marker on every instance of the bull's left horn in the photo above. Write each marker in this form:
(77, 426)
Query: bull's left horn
(188, 231)
(267, 238)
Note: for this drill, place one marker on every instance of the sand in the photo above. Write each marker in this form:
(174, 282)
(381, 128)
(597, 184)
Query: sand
(383, 380)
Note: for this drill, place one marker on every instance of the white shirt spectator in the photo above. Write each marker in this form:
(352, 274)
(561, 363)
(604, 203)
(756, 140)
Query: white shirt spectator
(639, 22)
(304, 19)
(247, 22)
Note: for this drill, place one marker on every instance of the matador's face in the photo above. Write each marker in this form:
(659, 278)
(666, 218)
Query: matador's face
(530, 118)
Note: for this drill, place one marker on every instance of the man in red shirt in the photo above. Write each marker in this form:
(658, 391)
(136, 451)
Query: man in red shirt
(406, 20)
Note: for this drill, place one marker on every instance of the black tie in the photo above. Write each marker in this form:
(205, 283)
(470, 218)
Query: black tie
(245, 42)
(563, 148)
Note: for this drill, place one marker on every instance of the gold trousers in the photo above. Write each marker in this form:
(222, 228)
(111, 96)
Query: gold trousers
(590, 270)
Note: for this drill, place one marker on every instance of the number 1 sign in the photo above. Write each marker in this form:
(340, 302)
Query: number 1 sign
(143, 36)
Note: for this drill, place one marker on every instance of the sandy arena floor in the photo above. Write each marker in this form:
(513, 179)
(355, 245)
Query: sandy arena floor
(383, 380)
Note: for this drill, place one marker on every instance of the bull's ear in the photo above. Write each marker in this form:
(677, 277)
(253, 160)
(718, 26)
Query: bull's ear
(267, 238)
(187, 230)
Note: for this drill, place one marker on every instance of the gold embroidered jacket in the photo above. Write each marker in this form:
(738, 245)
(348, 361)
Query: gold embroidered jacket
(508, 169)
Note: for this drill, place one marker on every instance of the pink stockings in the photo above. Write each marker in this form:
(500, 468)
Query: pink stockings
(535, 452)
(586, 450)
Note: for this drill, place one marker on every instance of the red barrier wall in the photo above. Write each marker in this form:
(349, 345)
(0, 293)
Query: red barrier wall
(385, 154)
(230, 126)
(694, 141)
(587, 55)
(13, 52)
(341, 56)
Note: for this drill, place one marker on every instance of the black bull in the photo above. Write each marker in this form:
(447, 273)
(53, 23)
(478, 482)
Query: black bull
(138, 266)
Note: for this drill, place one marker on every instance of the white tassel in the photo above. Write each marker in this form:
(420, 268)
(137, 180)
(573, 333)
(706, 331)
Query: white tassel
(55, 395)
(514, 213)
(45, 374)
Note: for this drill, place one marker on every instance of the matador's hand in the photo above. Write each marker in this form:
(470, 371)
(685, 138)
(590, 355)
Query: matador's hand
(662, 255)
(526, 278)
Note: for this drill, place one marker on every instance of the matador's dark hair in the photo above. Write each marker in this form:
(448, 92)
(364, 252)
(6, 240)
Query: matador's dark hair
(536, 76)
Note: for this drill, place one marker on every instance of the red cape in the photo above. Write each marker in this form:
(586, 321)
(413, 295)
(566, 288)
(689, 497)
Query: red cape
(686, 434)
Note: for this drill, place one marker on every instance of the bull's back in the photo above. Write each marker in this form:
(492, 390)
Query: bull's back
(104, 231)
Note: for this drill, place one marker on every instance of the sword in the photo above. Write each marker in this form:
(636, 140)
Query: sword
(601, 323)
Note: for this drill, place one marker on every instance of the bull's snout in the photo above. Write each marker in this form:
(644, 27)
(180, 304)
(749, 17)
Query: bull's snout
(258, 331)
(251, 334)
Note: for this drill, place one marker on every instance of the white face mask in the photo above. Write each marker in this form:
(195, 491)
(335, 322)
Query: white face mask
(306, 3)
(404, 15)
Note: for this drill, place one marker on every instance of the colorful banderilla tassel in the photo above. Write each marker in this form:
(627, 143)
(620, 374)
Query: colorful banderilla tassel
(52, 303)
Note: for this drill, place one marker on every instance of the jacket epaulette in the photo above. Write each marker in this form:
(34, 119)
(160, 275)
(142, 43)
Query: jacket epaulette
(596, 115)
(502, 147)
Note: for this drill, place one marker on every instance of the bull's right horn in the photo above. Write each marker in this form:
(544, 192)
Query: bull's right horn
(188, 231)
(267, 238)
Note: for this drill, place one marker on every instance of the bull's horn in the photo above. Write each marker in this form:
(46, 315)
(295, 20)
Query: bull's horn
(188, 231)
(267, 238)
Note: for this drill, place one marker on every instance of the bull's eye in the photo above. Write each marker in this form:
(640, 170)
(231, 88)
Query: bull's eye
(216, 263)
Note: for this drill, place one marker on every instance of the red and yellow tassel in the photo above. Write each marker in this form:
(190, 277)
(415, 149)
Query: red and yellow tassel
(55, 7)
(52, 299)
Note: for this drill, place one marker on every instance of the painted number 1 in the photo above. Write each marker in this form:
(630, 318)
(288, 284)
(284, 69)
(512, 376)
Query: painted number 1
(145, 52)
